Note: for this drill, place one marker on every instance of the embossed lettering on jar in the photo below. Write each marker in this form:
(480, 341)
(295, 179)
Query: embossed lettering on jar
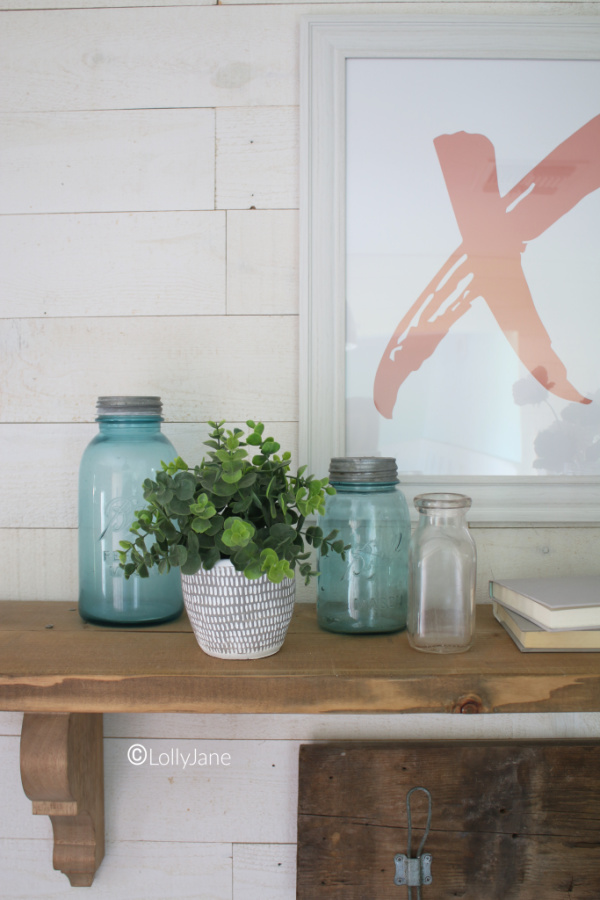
(368, 592)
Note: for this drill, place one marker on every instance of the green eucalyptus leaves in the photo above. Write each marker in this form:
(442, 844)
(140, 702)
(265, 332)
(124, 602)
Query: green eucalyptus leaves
(251, 511)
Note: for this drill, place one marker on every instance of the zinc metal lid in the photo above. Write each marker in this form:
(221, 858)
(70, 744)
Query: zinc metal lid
(363, 469)
(129, 406)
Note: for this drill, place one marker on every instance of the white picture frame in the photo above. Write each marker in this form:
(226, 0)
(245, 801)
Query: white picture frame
(327, 43)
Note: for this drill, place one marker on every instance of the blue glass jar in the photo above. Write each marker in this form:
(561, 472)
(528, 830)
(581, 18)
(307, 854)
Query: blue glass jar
(128, 449)
(368, 592)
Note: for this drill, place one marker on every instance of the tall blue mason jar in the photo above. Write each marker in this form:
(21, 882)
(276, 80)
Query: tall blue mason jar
(368, 592)
(128, 449)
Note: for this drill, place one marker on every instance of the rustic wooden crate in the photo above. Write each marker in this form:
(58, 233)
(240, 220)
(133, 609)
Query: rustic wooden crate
(511, 820)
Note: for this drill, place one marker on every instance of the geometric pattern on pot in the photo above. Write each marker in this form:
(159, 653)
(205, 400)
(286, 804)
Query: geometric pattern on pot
(234, 617)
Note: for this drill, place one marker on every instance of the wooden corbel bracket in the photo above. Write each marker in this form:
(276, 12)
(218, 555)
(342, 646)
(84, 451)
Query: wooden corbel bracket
(62, 773)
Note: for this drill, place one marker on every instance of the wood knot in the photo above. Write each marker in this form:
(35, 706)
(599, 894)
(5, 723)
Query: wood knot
(469, 706)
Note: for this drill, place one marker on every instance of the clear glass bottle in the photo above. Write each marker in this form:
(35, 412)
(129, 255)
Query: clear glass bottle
(128, 449)
(368, 592)
(442, 565)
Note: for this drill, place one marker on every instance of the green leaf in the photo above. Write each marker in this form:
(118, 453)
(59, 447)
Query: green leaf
(243, 556)
(282, 533)
(242, 505)
(210, 558)
(232, 477)
(221, 489)
(270, 446)
(185, 485)
(268, 558)
(217, 523)
(191, 565)
(178, 555)
(192, 545)
(237, 533)
(203, 507)
(201, 526)
(253, 571)
(277, 570)
(247, 480)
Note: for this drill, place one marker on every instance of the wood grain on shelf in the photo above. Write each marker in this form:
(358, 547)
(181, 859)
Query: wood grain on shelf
(78, 667)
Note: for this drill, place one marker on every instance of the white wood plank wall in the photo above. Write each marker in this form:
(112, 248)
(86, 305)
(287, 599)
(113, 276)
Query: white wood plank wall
(148, 243)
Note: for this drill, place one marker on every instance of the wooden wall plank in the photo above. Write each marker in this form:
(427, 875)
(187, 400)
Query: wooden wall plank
(93, 4)
(188, 56)
(31, 506)
(54, 574)
(264, 872)
(11, 723)
(534, 552)
(501, 8)
(262, 262)
(137, 870)
(257, 158)
(107, 161)
(339, 726)
(253, 799)
(203, 801)
(112, 264)
(203, 367)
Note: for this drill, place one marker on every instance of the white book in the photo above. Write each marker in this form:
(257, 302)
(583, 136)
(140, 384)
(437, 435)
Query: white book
(566, 603)
(529, 637)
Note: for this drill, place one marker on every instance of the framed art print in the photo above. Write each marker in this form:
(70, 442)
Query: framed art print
(450, 221)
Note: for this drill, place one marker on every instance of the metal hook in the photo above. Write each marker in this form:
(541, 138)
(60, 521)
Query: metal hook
(417, 871)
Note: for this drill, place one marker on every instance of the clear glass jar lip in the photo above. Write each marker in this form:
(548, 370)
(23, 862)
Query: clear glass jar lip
(435, 501)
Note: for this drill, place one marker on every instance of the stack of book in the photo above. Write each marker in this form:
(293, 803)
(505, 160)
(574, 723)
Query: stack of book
(550, 613)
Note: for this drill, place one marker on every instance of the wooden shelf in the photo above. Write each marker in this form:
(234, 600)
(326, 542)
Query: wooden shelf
(64, 674)
(51, 661)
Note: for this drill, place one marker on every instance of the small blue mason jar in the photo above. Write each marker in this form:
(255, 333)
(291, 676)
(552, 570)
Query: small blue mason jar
(368, 592)
(128, 449)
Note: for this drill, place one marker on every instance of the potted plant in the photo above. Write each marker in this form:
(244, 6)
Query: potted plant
(235, 525)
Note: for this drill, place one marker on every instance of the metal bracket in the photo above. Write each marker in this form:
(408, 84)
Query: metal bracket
(415, 872)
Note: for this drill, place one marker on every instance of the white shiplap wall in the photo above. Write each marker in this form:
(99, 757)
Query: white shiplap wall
(148, 244)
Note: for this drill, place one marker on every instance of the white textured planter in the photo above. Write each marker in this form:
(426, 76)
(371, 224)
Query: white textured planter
(234, 617)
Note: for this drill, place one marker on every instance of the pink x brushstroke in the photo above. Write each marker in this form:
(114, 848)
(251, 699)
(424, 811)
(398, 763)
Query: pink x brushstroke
(495, 231)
